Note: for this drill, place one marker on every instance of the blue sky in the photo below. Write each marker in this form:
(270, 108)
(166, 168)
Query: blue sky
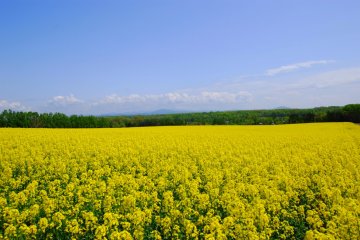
(95, 57)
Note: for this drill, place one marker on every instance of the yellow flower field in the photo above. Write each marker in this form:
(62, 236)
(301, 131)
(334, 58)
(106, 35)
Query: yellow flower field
(190, 182)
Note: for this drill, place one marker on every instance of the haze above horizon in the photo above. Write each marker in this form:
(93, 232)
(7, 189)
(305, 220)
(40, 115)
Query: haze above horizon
(98, 57)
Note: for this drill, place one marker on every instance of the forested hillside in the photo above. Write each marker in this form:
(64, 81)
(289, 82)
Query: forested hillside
(348, 113)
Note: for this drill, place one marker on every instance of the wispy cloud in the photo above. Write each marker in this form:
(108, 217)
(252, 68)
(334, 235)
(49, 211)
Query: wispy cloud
(295, 66)
(334, 78)
(16, 106)
(332, 87)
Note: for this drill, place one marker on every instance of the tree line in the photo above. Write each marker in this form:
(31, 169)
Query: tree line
(347, 113)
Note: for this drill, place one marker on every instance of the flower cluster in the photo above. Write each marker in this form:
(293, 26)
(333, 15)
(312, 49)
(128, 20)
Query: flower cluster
(195, 182)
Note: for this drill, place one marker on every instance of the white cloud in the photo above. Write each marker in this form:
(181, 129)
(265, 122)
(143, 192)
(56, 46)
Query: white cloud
(226, 97)
(196, 100)
(117, 99)
(64, 100)
(204, 97)
(336, 87)
(295, 66)
(15, 106)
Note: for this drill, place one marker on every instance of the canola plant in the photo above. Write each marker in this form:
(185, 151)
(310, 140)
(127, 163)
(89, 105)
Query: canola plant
(191, 182)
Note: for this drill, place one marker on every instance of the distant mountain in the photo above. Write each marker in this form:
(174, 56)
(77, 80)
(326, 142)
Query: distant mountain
(164, 111)
(282, 107)
(156, 112)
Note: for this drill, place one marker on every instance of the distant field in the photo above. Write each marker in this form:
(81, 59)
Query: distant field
(189, 182)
